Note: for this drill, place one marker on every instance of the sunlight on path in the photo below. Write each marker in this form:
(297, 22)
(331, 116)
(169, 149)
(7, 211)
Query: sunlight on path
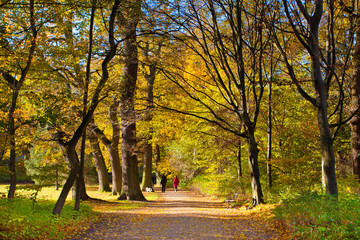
(180, 215)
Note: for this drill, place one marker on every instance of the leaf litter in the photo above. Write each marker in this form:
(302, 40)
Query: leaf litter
(185, 215)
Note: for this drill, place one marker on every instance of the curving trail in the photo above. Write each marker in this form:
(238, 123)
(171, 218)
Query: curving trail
(181, 215)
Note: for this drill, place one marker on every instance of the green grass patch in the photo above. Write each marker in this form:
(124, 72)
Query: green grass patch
(20, 219)
(151, 196)
(24, 218)
(318, 216)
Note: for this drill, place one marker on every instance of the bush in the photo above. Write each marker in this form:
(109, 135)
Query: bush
(318, 216)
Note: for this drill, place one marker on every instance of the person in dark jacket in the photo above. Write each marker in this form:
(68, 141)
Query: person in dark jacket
(163, 182)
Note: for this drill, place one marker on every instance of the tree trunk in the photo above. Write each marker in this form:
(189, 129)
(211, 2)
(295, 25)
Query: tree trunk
(113, 149)
(156, 162)
(70, 153)
(12, 159)
(102, 172)
(254, 170)
(239, 162)
(131, 186)
(147, 171)
(130, 180)
(116, 170)
(112, 146)
(327, 153)
(355, 104)
(320, 85)
(79, 191)
(269, 147)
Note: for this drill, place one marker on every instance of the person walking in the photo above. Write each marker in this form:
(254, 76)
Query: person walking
(163, 182)
(176, 182)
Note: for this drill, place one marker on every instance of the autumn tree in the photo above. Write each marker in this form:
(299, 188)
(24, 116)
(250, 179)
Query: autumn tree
(24, 36)
(305, 21)
(128, 20)
(69, 146)
(151, 44)
(230, 84)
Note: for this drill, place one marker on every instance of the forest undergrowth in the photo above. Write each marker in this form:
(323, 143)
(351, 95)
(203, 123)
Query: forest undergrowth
(301, 212)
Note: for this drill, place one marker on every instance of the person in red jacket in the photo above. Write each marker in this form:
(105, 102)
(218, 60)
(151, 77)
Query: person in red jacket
(176, 182)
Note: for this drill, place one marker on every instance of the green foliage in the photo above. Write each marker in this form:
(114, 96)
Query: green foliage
(20, 220)
(46, 167)
(221, 185)
(316, 216)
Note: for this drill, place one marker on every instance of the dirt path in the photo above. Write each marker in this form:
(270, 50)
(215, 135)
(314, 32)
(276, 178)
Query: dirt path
(180, 215)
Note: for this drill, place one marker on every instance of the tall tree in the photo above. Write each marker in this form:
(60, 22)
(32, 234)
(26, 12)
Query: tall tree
(305, 22)
(231, 87)
(80, 186)
(31, 32)
(150, 62)
(148, 150)
(128, 20)
(69, 146)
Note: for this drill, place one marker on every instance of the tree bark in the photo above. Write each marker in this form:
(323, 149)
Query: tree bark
(327, 153)
(253, 152)
(239, 162)
(112, 146)
(147, 171)
(157, 160)
(355, 104)
(130, 180)
(113, 149)
(70, 153)
(102, 172)
(11, 132)
(269, 147)
(326, 141)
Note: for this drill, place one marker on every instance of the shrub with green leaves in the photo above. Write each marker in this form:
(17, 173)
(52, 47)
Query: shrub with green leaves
(317, 216)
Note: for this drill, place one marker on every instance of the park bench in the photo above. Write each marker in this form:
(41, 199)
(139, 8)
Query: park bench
(231, 201)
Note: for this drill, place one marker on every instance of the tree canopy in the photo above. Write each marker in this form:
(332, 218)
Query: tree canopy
(216, 92)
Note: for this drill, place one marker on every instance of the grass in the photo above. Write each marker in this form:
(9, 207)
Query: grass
(318, 216)
(22, 219)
